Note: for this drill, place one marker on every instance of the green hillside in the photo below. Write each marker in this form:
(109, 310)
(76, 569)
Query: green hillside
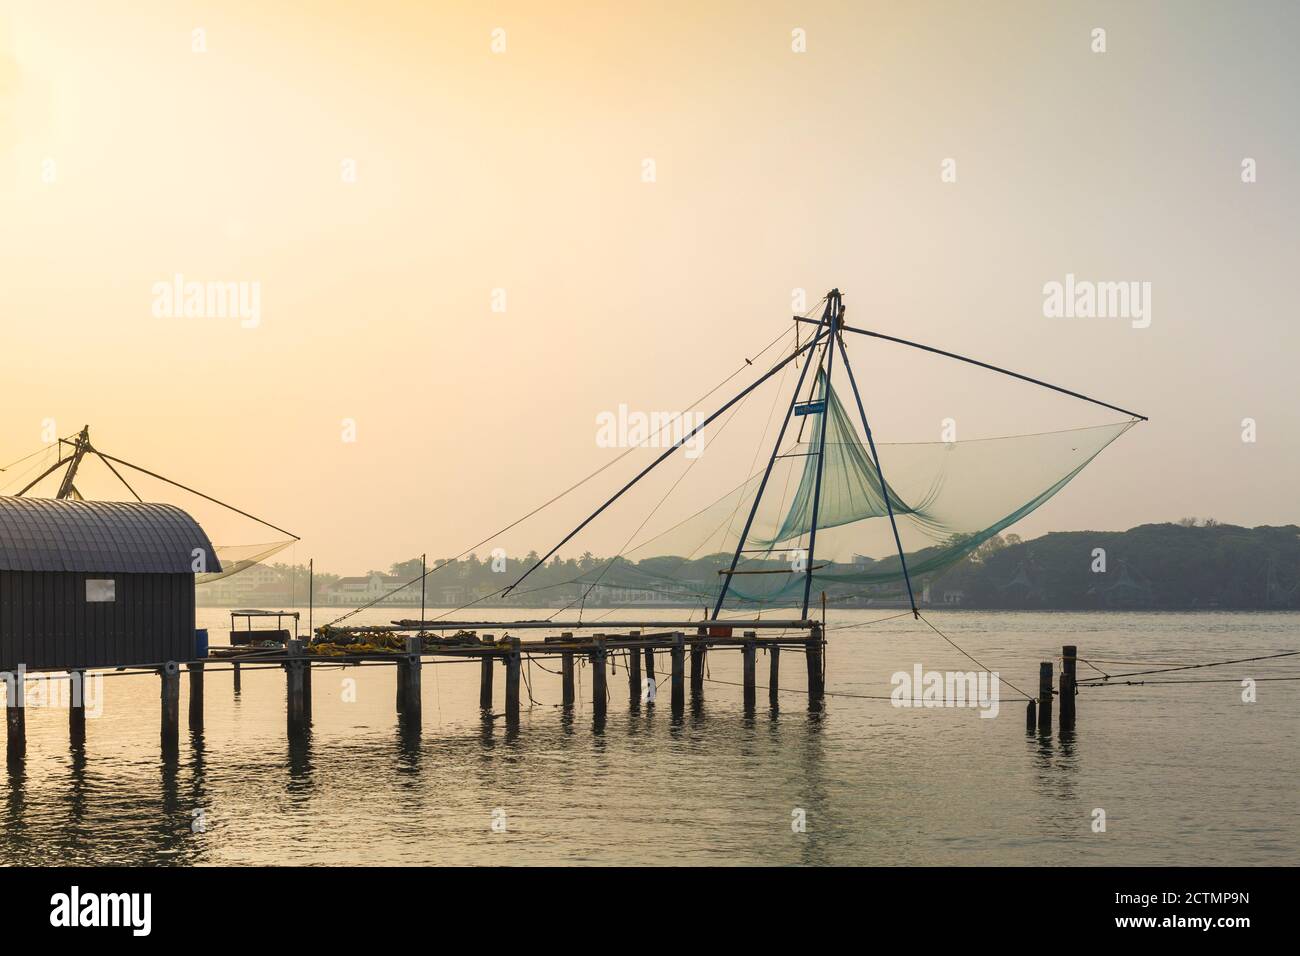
(1184, 565)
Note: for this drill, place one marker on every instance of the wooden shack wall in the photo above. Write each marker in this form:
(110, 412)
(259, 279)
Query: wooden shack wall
(47, 623)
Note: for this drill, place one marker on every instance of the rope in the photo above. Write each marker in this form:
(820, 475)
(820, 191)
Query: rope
(1190, 667)
(879, 620)
(992, 368)
(1102, 660)
(546, 504)
(982, 666)
(1190, 680)
(582, 601)
(1094, 667)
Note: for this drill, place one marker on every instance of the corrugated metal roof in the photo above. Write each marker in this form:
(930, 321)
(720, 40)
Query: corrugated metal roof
(46, 534)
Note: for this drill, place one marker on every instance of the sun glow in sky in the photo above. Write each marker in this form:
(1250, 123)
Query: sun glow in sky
(128, 157)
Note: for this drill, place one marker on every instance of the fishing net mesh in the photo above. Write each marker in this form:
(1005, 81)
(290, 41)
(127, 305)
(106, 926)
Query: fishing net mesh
(947, 498)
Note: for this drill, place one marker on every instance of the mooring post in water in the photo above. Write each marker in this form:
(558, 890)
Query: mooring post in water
(408, 681)
(16, 712)
(196, 695)
(774, 675)
(598, 691)
(512, 681)
(486, 663)
(1045, 697)
(748, 655)
(678, 655)
(1069, 658)
(295, 686)
(566, 672)
(1031, 716)
(634, 673)
(650, 674)
(306, 681)
(697, 665)
(170, 674)
(814, 656)
(237, 688)
(77, 706)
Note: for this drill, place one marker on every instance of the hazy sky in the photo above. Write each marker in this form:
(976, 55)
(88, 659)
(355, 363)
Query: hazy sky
(126, 157)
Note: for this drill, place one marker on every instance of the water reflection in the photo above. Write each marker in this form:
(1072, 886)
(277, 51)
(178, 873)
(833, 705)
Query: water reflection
(301, 765)
(514, 766)
(710, 785)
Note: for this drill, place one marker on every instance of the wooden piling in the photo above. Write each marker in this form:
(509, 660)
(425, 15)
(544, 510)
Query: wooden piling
(1069, 658)
(512, 681)
(16, 713)
(1045, 697)
(1031, 717)
(566, 673)
(774, 675)
(650, 673)
(598, 690)
(196, 696)
(634, 688)
(408, 682)
(678, 655)
(814, 656)
(77, 706)
(170, 674)
(697, 667)
(748, 653)
(306, 682)
(485, 665)
(237, 688)
(296, 710)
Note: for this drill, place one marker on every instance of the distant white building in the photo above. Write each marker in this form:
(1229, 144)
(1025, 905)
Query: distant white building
(246, 587)
(366, 588)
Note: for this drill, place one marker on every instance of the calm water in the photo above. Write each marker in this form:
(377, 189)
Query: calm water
(1187, 774)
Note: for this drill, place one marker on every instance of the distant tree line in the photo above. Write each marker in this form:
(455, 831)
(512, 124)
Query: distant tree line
(1183, 565)
(1188, 564)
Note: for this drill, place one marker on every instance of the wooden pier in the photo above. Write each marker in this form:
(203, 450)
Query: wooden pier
(638, 647)
(634, 643)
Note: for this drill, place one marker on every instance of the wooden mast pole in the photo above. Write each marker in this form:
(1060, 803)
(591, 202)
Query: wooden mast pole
(834, 308)
(767, 473)
(79, 448)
